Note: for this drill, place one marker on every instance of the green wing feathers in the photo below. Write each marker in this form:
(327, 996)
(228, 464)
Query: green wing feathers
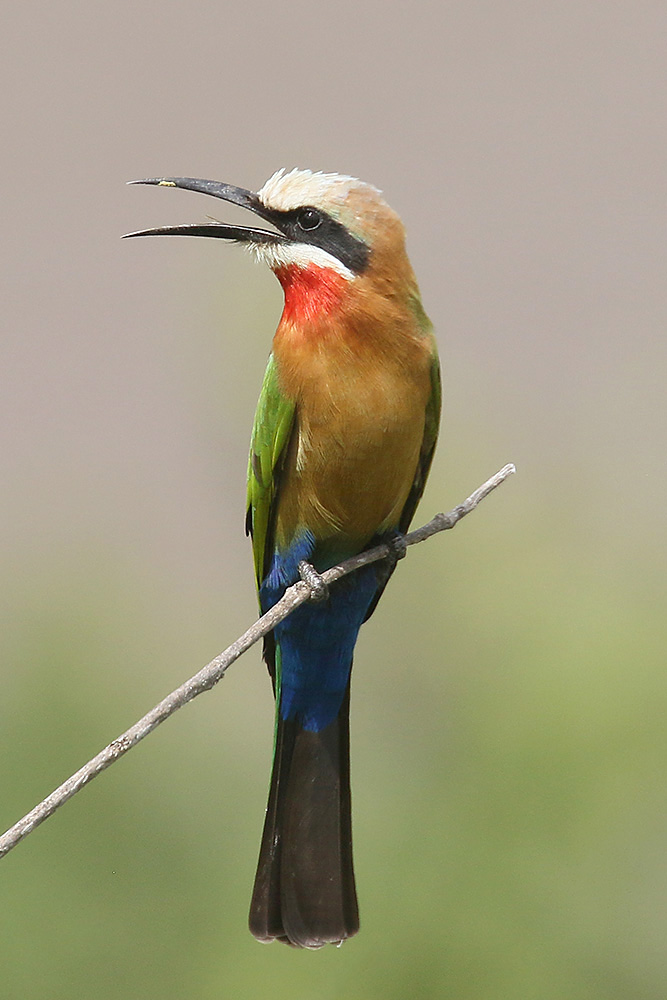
(431, 426)
(271, 432)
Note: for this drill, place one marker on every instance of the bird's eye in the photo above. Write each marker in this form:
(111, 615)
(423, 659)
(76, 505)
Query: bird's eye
(309, 219)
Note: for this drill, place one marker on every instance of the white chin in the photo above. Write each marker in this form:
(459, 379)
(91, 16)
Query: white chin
(280, 255)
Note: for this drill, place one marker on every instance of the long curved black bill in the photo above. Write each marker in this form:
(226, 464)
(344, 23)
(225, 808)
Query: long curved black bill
(240, 234)
(227, 192)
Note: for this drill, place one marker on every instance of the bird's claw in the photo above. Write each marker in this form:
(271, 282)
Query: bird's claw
(319, 591)
(398, 546)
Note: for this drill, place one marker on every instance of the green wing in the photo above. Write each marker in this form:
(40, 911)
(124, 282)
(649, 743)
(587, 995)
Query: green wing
(270, 434)
(431, 427)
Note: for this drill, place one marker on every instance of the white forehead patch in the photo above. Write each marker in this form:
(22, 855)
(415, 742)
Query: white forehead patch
(287, 191)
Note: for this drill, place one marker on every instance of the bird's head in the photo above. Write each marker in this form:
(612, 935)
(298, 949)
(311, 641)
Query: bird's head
(328, 228)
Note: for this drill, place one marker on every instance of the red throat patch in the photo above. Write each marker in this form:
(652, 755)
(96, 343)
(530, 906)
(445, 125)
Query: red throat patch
(310, 292)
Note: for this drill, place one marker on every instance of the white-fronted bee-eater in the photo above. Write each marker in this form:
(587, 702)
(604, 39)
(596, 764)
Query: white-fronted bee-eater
(343, 438)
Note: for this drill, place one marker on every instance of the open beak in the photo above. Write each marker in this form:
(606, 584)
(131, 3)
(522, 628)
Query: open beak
(219, 230)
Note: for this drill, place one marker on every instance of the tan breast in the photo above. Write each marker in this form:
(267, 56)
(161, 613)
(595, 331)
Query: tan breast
(359, 429)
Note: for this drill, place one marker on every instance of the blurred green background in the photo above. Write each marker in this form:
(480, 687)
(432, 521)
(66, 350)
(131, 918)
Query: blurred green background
(510, 694)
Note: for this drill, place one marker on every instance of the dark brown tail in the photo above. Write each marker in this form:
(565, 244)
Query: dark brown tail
(304, 890)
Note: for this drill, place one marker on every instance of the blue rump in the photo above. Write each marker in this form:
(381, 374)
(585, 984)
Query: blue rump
(317, 641)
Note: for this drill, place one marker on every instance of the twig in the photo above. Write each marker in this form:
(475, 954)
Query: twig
(214, 671)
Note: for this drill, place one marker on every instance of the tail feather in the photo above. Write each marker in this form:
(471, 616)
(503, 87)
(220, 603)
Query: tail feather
(304, 888)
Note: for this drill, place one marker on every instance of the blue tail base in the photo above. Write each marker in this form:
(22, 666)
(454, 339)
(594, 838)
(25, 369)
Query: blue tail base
(316, 641)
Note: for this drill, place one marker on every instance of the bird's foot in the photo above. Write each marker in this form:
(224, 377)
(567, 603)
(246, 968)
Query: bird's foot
(319, 591)
(398, 547)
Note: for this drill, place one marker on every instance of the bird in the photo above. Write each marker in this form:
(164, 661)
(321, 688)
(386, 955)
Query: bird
(342, 442)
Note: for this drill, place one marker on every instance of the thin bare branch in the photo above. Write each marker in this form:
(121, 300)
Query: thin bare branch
(214, 671)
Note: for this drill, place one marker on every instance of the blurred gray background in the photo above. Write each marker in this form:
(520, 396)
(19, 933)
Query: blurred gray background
(510, 693)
